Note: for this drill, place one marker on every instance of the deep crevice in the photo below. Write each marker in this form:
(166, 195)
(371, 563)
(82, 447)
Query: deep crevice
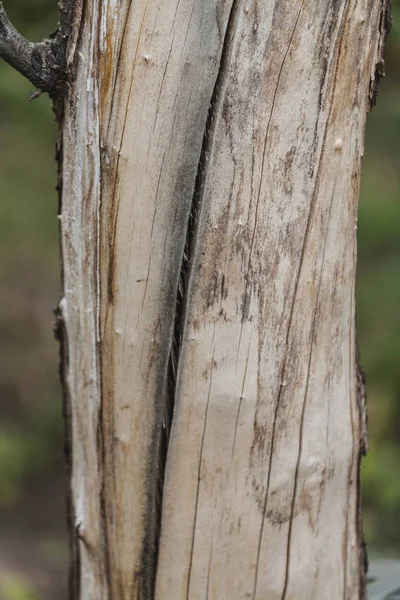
(182, 294)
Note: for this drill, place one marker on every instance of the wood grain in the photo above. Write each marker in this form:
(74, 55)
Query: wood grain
(211, 166)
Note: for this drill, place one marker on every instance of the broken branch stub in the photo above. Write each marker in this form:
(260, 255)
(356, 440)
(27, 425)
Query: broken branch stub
(42, 63)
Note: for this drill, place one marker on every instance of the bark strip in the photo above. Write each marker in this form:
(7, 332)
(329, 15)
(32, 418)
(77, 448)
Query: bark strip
(190, 244)
(261, 495)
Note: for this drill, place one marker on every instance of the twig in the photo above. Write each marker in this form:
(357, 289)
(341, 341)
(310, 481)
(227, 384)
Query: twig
(43, 63)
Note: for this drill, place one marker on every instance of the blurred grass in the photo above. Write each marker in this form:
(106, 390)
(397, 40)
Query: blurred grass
(30, 409)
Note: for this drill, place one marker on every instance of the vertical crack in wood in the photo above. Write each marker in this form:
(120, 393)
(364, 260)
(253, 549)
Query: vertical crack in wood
(101, 443)
(290, 318)
(181, 301)
(199, 474)
(303, 409)
(302, 256)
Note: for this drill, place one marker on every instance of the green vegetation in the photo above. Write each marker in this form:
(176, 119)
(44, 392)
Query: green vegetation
(30, 414)
(13, 588)
(28, 451)
(378, 302)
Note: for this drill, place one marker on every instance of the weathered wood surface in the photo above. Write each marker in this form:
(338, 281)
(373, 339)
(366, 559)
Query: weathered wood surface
(211, 164)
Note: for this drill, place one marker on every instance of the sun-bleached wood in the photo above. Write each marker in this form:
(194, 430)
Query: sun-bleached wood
(211, 158)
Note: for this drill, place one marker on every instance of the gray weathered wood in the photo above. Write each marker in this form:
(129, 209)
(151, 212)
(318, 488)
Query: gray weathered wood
(210, 176)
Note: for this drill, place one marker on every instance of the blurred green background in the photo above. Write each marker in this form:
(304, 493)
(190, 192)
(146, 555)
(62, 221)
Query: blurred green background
(33, 548)
(33, 541)
(378, 305)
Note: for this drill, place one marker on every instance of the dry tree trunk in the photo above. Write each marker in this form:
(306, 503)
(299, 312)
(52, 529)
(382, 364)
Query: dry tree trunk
(210, 168)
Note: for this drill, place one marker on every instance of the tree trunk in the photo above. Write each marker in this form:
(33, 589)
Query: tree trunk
(211, 160)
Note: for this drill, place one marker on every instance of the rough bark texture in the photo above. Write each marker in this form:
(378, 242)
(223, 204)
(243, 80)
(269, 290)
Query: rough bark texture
(211, 158)
(43, 63)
